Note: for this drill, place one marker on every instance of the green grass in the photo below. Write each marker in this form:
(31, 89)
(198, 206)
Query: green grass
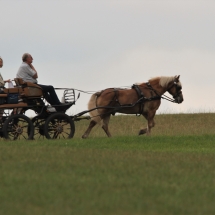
(170, 172)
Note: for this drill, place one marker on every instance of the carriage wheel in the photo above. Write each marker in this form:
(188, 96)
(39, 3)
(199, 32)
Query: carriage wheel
(59, 126)
(18, 127)
(38, 128)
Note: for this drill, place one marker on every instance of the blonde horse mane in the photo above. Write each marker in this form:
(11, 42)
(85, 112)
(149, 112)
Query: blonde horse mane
(164, 80)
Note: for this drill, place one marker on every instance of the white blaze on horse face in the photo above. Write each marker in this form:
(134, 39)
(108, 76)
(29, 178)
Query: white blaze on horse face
(179, 96)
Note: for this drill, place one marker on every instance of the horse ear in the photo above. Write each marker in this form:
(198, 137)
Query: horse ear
(177, 78)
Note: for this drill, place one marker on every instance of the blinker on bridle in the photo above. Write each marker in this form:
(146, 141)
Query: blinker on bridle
(178, 89)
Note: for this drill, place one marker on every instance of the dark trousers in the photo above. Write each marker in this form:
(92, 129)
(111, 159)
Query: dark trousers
(50, 94)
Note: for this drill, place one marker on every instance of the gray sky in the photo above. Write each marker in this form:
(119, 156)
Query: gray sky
(92, 45)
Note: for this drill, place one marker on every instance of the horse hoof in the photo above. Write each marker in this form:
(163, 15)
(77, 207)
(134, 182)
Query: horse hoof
(142, 131)
(84, 137)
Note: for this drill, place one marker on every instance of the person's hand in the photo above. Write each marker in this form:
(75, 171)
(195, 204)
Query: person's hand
(32, 67)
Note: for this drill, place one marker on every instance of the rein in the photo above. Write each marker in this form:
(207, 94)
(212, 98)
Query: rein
(141, 98)
(82, 91)
(168, 99)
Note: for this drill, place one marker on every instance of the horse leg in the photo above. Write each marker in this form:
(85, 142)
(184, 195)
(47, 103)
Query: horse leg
(143, 130)
(87, 132)
(150, 118)
(151, 124)
(106, 120)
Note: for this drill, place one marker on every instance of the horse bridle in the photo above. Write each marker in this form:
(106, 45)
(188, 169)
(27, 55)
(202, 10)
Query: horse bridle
(164, 96)
(178, 90)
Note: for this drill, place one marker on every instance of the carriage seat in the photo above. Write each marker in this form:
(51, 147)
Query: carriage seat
(25, 89)
(32, 90)
(19, 81)
(15, 90)
(3, 95)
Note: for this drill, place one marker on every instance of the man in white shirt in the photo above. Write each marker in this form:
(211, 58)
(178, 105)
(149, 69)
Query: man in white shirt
(29, 74)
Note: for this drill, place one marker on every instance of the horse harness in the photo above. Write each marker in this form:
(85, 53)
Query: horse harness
(141, 98)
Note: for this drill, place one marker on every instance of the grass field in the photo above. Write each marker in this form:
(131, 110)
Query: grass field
(165, 124)
(171, 172)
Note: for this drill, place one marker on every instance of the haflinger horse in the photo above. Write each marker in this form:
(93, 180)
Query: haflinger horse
(144, 99)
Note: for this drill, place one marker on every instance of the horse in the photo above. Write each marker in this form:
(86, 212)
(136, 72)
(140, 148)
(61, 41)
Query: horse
(143, 99)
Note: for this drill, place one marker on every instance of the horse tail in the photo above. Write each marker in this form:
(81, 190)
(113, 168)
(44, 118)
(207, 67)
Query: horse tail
(92, 104)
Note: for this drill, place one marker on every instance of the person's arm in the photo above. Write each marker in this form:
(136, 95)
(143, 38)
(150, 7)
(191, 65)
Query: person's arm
(35, 75)
(7, 81)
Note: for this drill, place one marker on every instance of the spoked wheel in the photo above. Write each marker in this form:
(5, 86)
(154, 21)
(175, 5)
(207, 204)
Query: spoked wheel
(18, 127)
(59, 126)
(38, 128)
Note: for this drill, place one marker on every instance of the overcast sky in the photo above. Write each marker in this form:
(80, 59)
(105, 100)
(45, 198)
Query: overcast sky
(92, 45)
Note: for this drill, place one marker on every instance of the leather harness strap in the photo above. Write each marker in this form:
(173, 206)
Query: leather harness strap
(140, 96)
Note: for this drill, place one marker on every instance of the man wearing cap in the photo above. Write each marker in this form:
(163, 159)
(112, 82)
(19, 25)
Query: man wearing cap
(29, 74)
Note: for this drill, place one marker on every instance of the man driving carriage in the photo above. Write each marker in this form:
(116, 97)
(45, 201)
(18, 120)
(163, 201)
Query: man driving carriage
(28, 73)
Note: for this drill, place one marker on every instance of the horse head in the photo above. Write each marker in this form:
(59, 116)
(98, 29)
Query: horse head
(175, 89)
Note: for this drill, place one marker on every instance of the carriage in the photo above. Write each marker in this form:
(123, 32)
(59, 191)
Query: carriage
(50, 122)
